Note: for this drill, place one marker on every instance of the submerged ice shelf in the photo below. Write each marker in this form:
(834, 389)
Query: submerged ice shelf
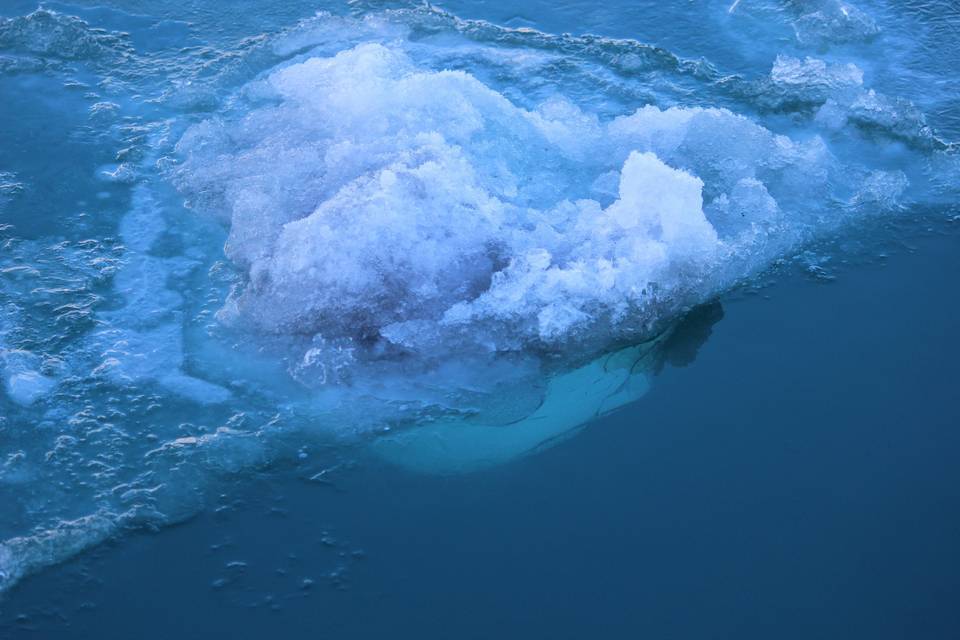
(570, 401)
(448, 241)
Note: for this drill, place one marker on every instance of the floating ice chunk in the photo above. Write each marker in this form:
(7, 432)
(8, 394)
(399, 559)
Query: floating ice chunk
(392, 208)
(748, 205)
(665, 202)
(325, 362)
(121, 173)
(406, 239)
(896, 117)
(838, 91)
(654, 232)
(22, 379)
(834, 22)
(882, 189)
(722, 148)
(813, 80)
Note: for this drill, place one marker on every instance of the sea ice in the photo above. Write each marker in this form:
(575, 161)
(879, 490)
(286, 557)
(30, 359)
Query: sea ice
(406, 209)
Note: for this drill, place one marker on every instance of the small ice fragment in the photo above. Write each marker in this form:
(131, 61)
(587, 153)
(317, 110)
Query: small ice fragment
(22, 381)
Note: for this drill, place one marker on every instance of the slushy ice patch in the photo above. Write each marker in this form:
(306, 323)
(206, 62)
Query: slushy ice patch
(411, 210)
(48, 33)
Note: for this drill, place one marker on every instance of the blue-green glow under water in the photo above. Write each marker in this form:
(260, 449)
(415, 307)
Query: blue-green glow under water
(479, 320)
